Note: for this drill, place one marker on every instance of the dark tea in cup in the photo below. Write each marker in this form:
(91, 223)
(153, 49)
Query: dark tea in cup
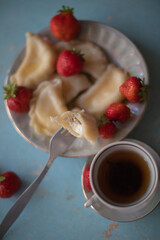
(123, 177)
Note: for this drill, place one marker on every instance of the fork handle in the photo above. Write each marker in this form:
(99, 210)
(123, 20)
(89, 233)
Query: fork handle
(20, 204)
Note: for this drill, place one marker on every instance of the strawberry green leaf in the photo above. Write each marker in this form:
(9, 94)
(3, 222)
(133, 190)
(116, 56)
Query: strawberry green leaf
(66, 9)
(81, 55)
(2, 179)
(131, 74)
(143, 91)
(103, 120)
(10, 90)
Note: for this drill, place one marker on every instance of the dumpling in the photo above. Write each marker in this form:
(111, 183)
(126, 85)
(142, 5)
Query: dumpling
(47, 101)
(79, 123)
(104, 92)
(38, 64)
(72, 86)
(95, 58)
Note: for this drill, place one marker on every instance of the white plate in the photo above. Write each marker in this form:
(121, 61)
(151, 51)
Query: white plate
(120, 51)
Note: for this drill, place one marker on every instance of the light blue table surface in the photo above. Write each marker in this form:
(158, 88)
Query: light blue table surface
(56, 210)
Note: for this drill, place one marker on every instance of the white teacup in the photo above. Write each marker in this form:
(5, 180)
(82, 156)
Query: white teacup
(134, 209)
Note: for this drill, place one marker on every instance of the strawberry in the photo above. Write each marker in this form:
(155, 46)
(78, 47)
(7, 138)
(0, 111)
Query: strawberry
(17, 97)
(118, 112)
(134, 90)
(9, 184)
(70, 63)
(65, 26)
(86, 178)
(106, 128)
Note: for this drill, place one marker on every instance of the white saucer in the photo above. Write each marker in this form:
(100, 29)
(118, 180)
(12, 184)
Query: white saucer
(130, 215)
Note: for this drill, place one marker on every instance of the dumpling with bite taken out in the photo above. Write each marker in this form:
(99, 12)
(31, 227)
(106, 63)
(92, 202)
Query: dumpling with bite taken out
(79, 123)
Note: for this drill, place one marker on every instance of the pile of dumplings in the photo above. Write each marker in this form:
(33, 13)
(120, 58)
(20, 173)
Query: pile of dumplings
(75, 102)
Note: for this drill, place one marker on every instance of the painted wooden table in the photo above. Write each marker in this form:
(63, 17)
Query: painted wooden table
(56, 210)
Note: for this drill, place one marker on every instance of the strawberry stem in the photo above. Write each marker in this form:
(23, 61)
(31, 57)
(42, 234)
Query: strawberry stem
(66, 9)
(103, 120)
(10, 90)
(81, 55)
(2, 179)
(143, 91)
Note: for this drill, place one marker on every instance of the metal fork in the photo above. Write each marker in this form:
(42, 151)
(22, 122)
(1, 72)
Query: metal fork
(59, 143)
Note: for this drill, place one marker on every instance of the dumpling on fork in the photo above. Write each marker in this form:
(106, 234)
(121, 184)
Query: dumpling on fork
(47, 101)
(103, 92)
(95, 59)
(39, 62)
(79, 123)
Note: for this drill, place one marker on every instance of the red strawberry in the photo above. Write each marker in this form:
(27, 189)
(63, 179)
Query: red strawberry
(9, 184)
(134, 89)
(69, 63)
(86, 178)
(17, 97)
(118, 112)
(65, 26)
(107, 130)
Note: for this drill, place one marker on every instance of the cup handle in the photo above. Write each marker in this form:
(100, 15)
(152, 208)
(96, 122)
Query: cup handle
(90, 201)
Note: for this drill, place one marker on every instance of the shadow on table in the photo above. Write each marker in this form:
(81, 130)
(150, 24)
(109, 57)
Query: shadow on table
(148, 130)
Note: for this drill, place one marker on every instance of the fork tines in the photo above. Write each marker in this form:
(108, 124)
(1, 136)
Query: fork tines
(64, 132)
